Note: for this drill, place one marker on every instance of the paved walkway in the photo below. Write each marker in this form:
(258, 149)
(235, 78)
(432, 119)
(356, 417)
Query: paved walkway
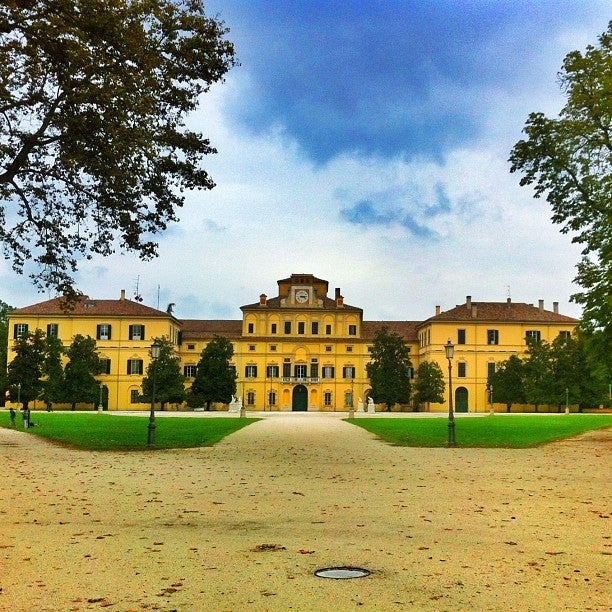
(244, 525)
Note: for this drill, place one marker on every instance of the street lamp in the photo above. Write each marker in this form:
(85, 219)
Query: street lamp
(100, 405)
(18, 394)
(449, 348)
(154, 355)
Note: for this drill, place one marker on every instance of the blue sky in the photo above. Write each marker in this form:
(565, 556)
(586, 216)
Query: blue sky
(366, 142)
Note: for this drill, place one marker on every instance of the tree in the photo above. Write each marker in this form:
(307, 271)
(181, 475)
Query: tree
(575, 381)
(26, 368)
(94, 152)
(169, 382)
(389, 370)
(5, 311)
(507, 382)
(429, 384)
(215, 379)
(569, 160)
(54, 384)
(82, 366)
(538, 380)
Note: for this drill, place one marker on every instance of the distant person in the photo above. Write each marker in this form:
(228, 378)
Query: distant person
(25, 413)
(12, 414)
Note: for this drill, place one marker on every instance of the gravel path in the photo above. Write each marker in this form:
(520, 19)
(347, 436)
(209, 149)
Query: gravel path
(243, 525)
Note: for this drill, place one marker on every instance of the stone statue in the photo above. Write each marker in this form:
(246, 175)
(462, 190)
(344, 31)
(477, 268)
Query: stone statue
(360, 405)
(233, 407)
(371, 407)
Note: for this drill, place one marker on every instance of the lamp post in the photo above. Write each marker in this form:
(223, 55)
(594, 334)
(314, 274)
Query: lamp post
(100, 405)
(18, 394)
(491, 409)
(154, 355)
(449, 348)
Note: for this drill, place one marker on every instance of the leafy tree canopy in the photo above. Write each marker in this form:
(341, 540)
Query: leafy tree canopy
(5, 311)
(507, 383)
(94, 152)
(26, 369)
(80, 371)
(169, 382)
(389, 370)
(569, 160)
(215, 379)
(429, 384)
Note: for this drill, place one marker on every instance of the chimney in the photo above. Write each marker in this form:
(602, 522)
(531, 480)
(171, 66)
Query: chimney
(123, 295)
(541, 305)
(556, 307)
(337, 292)
(437, 310)
(509, 301)
(263, 299)
(468, 301)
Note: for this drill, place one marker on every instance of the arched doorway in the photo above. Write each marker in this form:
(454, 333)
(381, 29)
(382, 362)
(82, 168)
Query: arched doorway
(300, 399)
(461, 399)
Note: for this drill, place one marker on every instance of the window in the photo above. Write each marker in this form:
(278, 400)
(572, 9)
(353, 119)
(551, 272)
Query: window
(352, 329)
(250, 371)
(52, 330)
(272, 371)
(300, 371)
(349, 349)
(134, 396)
(251, 398)
(327, 398)
(328, 349)
(251, 347)
(134, 366)
(532, 335)
(273, 347)
(287, 327)
(286, 369)
(189, 371)
(19, 330)
(492, 336)
(328, 371)
(272, 398)
(348, 399)
(490, 369)
(328, 330)
(103, 331)
(348, 372)
(104, 365)
(301, 327)
(461, 369)
(251, 328)
(565, 335)
(136, 332)
(460, 336)
(314, 369)
(273, 328)
(191, 347)
(314, 328)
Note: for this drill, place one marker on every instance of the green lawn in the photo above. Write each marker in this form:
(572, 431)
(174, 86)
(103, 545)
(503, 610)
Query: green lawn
(113, 432)
(487, 432)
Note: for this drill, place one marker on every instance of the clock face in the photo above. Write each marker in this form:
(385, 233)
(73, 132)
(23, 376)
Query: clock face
(301, 296)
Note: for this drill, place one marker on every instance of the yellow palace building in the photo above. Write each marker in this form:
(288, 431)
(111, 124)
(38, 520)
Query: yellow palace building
(302, 350)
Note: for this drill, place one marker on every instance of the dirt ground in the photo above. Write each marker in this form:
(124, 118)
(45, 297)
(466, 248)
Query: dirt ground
(244, 525)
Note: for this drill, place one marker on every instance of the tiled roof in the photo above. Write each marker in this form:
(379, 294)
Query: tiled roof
(500, 311)
(193, 329)
(406, 329)
(328, 304)
(84, 306)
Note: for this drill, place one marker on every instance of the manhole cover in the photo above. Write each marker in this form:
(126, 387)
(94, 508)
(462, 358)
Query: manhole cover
(342, 572)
